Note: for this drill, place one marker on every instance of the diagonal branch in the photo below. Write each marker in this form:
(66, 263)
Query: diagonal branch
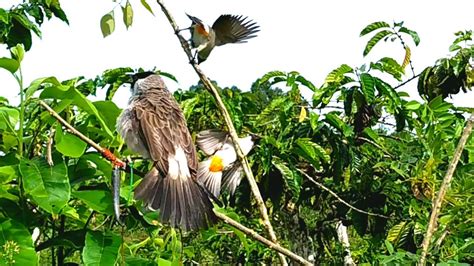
(223, 217)
(444, 187)
(230, 125)
(339, 198)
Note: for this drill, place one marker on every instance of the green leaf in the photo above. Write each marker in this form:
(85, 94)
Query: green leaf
(147, 6)
(398, 233)
(387, 90)
(79, 100)
(389, 247)
(375, 39)
(9, 64)
(68, 144)
(412, 105)
(413, 34)
(101, 248)
(337, 75)
(36, 84)
(109, 111)
(313, 150)
(270, 75)
(107, 24)
(390, 66)
(291, 178)
(47, 185)
(7, 173)
(334, 120)
(18, 52)
(368, 87)
(9, 117)
(98, 200)
(313, 119)
(127, 14)
(16, 239)
(306, 83)
(374, 26)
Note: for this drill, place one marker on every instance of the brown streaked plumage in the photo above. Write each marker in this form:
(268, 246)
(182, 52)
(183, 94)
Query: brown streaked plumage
(154, 126)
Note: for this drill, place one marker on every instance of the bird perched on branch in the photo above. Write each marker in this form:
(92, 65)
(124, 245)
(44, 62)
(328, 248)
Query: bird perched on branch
(154, 126)
(226, 29)
(221, 168)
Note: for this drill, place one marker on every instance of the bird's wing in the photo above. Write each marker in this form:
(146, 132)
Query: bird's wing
(234, 29)
(163, 126)
(231, 177)
(212, 140)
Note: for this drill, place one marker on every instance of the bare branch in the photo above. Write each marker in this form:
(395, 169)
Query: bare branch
(339, 198)
(261, 239)
(432, 225)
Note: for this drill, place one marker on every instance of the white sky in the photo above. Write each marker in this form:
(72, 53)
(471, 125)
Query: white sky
(311, 37)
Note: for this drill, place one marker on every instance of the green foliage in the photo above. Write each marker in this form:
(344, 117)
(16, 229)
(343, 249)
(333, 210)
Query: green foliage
(450, 75)
(341, 138)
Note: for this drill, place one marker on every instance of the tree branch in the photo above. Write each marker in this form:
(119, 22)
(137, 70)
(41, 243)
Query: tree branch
(224, 218)
(261, 239)
(220, 104)
(339, 198)
(442, 190)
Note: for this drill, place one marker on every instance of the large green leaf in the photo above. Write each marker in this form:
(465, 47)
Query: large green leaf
(47, 185)
(9, 117)
(36, 84)
(374, 26)
(69, 144)
(7, 173)
(62, 92)
(368, 87)
(16, 240)
(9, 64)
(98, 200)
(375, 39)
(109, 112)
(101, 248)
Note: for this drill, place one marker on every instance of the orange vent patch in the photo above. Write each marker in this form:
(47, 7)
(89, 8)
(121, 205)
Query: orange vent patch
(216, 164)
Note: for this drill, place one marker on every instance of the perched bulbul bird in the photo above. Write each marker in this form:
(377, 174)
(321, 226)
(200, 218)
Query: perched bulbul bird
(226, 29)
(154, 126)
(221, 169)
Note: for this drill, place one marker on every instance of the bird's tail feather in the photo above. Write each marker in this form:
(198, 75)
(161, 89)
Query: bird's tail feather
(181, 203)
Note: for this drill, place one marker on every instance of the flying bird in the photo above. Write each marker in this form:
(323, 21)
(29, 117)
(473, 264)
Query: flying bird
(222, 168)
(154, 126)
(226, 29)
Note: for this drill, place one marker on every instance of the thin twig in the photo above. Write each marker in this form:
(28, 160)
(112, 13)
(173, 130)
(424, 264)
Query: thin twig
(339, 198)
(105, 152)
(406, 81)
(221, 216)
(233, 133)
(49, 144)
(256, 236)
(432, 225)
